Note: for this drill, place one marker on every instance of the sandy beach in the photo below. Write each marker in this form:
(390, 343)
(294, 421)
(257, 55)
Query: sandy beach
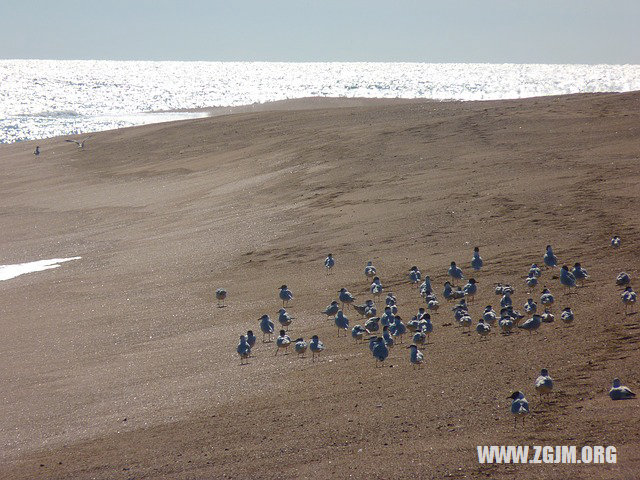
(119, 365)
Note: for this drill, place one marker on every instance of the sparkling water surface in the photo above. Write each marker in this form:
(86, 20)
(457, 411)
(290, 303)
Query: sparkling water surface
(47, 98)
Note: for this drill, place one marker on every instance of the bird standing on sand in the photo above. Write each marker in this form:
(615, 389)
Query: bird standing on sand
(506, 301)
(455, 273)
(550, 260)
(283, 341)
(470, 289)
(619, 391)
(567, 278)
(80, 143)
(533, 324)
(425, 287)
(357, 332)
(416, 357)
(365, 308)
(483, 329)
(329, 262)
(316, 346)
(544, 383)
(285, 295)
(580, 273)
(284, 318)
(266, 325)
(519, 406)
(386, 337)
(36, 152)
(341, 322)
(531, 282)
(547, 316)
(244, 350)
(567, 315)
(372, 324)
(380, 351)
(534, 271)
(221, 295)
(530, 306)
(476, 261)
(370, 270)
(397, 328)
(332, 309)
(623, 279)
(376, 287)
(426, 326)
(546, 298)
(300, 347)
(489, 315)
(415, 276)
(506, 324)
(615, 241)
(345, 297)
(419, 337)
(251, 338)
(629, 299)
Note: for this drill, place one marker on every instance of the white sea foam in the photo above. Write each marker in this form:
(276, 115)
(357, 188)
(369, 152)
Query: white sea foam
(45, 98)
(11, 271)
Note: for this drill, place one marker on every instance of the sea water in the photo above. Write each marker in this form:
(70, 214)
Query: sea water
(47, 98)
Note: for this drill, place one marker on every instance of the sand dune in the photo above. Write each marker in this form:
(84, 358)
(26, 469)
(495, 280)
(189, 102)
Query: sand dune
(119, 365)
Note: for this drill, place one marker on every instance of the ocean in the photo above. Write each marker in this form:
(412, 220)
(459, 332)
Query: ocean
(47, 98)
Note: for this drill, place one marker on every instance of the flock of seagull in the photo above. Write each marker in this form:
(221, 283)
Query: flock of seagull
(382, 332)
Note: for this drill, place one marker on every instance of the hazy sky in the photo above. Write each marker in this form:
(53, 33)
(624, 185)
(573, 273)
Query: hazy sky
(521, 31)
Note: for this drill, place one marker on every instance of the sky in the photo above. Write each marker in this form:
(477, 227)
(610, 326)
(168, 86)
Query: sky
(483, 31)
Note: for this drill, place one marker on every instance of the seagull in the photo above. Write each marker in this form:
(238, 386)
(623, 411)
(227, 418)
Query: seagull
(433, 305)
(266, 325)
(387, 317)
(531, 282)
(547, 316)
(506, 301)
(397, 328)
(470, 289)
(620, 392)
(380, 351)
(447, 293)
(466, 321)
(416, 357)
(372, 324)
(519, 406)
(341, 322)
(365, 308)
(458, 293)
(425, 287)
(534, 271)
(284, 318)
(476, 261)
(530, 306)
(300, 347)
(251, 338)
(483, 329)
(567, 315)
(550, 260)
(390, 300)
(329, 262)
(426, 326)
(357, 332)
(629, 298)
(580, 273)
(316, 347)
(244, 350)
(370, 270)
(376, 287)
(623, 279)
(283, 341)
(546, 298)
(36, 152)
(544, 383)
(221, 294)
(386, 337)
(419, 338)
(515, 315)
(505, 324)
(285, 295)
(615, 241)
(332, 309)
(455, 273)
(533, 324)
(345, 297)
(489, 315)
(415, 276)
(80, 143)
(567, 278)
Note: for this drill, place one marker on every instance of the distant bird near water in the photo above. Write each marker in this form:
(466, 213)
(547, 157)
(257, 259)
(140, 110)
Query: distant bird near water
(221, 295)
(80, 143)
(476, 261)
(620, 392)
(615, 241)
(550, 260)
(544, 383)
(519, 406)
(36, 152)
(329, 262)
(285, 295)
